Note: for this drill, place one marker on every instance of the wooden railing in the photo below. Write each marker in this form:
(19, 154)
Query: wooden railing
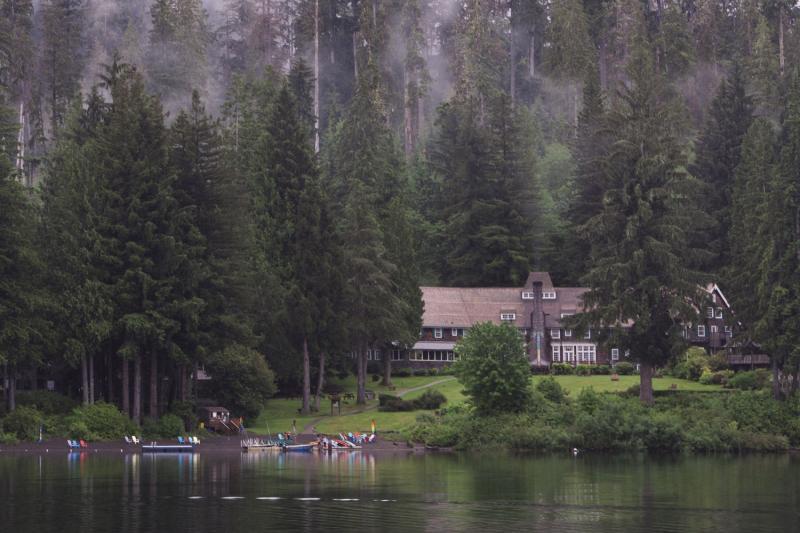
(751, 359)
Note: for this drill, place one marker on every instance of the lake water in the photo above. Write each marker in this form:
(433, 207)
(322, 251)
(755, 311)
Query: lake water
(358, 491)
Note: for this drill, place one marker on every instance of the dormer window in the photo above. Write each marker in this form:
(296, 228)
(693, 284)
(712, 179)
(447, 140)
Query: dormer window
(719, 312)
(555, 333)
(437, 333)
(508, 316)
(549, 295)
(527, 295)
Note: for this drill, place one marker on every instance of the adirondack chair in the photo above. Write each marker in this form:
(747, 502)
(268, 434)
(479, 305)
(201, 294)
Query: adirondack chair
(180, 440)
(83, 444)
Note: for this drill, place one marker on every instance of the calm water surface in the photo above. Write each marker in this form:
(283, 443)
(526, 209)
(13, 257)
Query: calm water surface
(361, 492)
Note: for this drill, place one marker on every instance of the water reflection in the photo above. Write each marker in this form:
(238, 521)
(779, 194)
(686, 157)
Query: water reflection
(360, 490)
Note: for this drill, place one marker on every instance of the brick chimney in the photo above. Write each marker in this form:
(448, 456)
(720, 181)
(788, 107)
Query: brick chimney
(537, 324)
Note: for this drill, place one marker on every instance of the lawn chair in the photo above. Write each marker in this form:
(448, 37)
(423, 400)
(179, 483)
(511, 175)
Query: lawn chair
(73, 444)
(180, 440)
(83, 444)
(194, 440)
(134, 439)
(127, 440)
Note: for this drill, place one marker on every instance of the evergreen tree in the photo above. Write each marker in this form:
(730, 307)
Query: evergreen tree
(718, 155)
(640, 275)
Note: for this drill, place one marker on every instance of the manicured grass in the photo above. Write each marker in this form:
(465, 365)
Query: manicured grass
(279, 413)
(574, 384)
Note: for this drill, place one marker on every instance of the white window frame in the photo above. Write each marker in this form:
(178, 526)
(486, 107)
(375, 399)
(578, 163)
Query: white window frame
(527, 295)
(728, 329)
(437, 333)
(376, 354)
(454, 332)
(701, 330)
(710, 312)
(586, 353)
(588, 334)
(397, 355)
(548, 295)
(555, 333)
(508, 317)
(714, 329)
(567, 333)
(556, 353)
(569, 353)
(615, 354)
(566, 314)
(719, 313)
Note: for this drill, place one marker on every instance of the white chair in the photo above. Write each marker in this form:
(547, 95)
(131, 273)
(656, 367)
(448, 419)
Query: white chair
(135, 439)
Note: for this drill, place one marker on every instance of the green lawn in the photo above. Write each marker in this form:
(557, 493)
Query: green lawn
(574, 384)
(279, 413)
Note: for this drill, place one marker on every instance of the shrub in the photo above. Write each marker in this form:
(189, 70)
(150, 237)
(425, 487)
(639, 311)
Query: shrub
(186, 411)
(718, 362)
(241, 380)
(551, 389)
(624, 368)
(430, 399)
(376, 377)
(720, 377)
(99, 421)
(403, 372)
(749, 380)
(494, 368)
(24, 423)
(167, 427)
(692, 365)
(562, 369)
(601, 370)
(8, 438)
(588, 400)
(583, 370)
(47, 402)
(391, 403)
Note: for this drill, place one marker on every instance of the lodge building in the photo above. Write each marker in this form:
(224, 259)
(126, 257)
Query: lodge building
(537, 310)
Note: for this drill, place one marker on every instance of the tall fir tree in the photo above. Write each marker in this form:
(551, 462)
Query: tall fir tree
(718, 155)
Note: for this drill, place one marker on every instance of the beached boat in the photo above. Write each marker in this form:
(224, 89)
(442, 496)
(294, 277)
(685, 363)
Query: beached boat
(154, 447)
(299, 447)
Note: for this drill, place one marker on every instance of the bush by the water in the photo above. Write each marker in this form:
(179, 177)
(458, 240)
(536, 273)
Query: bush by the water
(23, 423)
(99, 421)
(430, 399)
(687, 421)
(166, 427)
(750, 380)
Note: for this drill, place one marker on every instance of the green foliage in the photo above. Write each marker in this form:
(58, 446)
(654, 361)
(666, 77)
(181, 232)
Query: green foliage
(624, 368)
(429, 400)
(48, 402)
(562, 369)
(167, 427)
(719, 377)
(692, 365)
(551, 389)
(99, 421)
(241, 380)
(24, 423)
(749, 380)
(583, 370)
(494, 368)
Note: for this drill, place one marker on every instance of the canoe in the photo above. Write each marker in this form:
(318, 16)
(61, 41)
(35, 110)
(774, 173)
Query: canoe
(248, 447)
(299, 447)
(168, 448)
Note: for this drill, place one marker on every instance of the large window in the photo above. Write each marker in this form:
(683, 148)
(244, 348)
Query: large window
(701, 331)
(569, 353)
(556, 353)
(397, 355)
(615, 354)
(437, 333)
(432, 355)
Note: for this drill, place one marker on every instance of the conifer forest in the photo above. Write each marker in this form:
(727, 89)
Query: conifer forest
(257, 189)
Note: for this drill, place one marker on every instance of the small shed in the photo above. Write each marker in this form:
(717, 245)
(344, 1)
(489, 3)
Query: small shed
(210, 415)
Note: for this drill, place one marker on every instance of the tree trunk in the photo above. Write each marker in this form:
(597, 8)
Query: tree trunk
(361, 390)
(513, 58)
(776, 382)
(35, 378)
(126, 387)
(91, 379)
(408, 139)
(646, 383)
(781, 57)
(355, 56)
(387, 368)
(110, 377)
(316, 76)
(320, 381)
(84, 381)
(153, 385)
(306, 379)
(532, 54)
(12, 391)
(137, 389)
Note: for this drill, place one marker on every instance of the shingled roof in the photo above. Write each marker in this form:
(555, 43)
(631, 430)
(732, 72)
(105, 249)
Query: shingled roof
(462, 307)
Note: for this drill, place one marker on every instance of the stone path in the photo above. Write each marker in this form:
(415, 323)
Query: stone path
(308, 429)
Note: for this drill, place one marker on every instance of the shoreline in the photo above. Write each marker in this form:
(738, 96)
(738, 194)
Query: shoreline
(211, 444)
